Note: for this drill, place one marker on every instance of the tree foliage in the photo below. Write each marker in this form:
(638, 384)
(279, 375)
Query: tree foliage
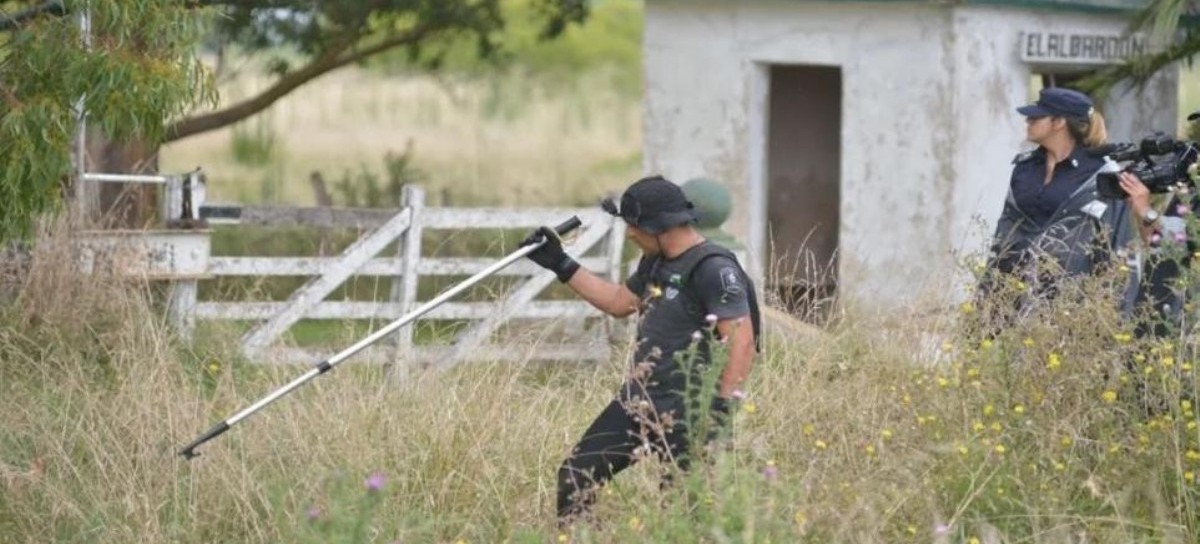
(138, 71)
(1170, 24)
(141, 76)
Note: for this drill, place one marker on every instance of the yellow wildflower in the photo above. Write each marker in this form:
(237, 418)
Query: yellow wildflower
(967, 308)
(1066, 441)
(562, 537)
(821, 444)
(1185, 404)
(1059, 466)
(1109, 396)
(635, 523)
(809, 429)
(995, 426)
(1123, 337)
(989, 410)
(800, 518)
(749, 407)
(1189, 476)
(214, 367)
(1168, 362)
(912, 529)
(977, 426)
(947, 347)
(1053, 361)
(870, 449)
(1001, 449)
(1028, 342)
(1192, 455)
(986, 344)
(1019, 409)
(962, 450)
(943, 382)
(887, 434)
(972, 540)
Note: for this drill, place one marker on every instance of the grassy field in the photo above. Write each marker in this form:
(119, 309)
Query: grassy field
(1064, 429)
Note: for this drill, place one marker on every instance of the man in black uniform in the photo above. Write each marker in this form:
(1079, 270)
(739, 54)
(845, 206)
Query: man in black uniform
(683, 285)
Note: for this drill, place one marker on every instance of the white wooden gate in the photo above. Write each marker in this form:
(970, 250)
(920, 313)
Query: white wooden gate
(363, 258)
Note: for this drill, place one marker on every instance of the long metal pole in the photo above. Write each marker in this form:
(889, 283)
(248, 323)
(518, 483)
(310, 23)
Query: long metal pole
(189, 451)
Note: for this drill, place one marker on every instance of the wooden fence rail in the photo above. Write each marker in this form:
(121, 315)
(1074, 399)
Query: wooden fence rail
(406, 267)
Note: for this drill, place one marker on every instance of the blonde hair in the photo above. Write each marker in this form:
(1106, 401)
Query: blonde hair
(1090, 132)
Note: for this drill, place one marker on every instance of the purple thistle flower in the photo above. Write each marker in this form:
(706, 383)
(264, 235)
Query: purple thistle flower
(1180, 237)
(313, 513)
(770, 472)
(375, 481)
(711, 319)
(1183, 209)
(697, 336)
(941, 529)
(738, 394)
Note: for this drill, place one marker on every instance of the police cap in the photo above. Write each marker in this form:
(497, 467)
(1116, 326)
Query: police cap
(1059, 102)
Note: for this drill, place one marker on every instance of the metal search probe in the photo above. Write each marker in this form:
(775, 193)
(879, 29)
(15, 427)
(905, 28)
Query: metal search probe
(189, 451)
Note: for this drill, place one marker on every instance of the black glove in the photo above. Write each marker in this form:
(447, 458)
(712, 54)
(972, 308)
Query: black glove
(551, 255)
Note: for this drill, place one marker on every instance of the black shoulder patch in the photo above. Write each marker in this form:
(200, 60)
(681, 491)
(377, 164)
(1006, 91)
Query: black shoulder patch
(731, 280)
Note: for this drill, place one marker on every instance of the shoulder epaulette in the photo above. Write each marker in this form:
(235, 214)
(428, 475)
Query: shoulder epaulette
(1022, 157)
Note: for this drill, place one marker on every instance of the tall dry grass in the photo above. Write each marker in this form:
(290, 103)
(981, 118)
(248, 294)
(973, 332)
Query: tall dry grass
(1039, 434)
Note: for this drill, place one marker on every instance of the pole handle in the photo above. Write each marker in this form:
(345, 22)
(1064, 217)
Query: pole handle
(568, 225)
(189, 452)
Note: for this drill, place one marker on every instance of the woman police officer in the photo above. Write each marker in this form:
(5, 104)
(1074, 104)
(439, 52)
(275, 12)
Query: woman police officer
(1053, 225)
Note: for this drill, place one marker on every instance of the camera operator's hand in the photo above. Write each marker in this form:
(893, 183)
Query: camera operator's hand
(551, 255)
(1139, 194)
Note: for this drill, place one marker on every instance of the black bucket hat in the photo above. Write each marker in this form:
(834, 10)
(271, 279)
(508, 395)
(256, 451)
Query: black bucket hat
(653, 204)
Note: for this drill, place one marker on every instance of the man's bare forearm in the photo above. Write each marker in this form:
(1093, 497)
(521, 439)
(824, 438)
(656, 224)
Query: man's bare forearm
(611, 298)
(741, 354)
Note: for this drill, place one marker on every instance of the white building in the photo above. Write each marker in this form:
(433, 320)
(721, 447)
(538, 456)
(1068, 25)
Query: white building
(881, 133)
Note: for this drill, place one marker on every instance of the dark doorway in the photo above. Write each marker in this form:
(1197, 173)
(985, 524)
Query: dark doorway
(804, 186)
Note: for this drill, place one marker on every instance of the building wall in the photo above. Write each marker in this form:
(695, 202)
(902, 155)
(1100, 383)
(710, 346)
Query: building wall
(928, 121)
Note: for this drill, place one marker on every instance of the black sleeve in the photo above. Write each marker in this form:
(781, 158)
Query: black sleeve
(637, 281)
(722, 287)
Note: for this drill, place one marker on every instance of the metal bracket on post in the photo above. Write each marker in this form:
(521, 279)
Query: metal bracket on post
(185, 197)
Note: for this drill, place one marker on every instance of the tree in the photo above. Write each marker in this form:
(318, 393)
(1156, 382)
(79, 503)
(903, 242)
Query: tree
(137, 72)
(1162, 20)
(305, 39)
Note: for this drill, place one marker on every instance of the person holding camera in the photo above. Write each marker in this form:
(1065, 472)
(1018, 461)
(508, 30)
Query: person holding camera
(1053, 224)
(1170, 249)
(684, 285)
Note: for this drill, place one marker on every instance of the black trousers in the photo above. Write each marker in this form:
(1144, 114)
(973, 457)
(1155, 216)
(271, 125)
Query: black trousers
(611, 444)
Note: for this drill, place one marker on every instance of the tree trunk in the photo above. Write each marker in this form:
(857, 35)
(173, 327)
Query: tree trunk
(124, 205)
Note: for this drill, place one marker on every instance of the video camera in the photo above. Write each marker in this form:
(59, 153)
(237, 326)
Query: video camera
(1160, 161)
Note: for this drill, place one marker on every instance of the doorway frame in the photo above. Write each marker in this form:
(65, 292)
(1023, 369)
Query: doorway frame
(758, 128)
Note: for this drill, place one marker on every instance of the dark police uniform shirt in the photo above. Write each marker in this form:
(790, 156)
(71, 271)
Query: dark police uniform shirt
(1038, 199)
(672, 311)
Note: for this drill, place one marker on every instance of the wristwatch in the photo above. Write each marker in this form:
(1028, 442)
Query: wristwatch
(1150, 217)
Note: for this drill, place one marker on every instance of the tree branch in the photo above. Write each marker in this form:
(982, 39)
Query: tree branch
(319, 66)
(49, 7)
